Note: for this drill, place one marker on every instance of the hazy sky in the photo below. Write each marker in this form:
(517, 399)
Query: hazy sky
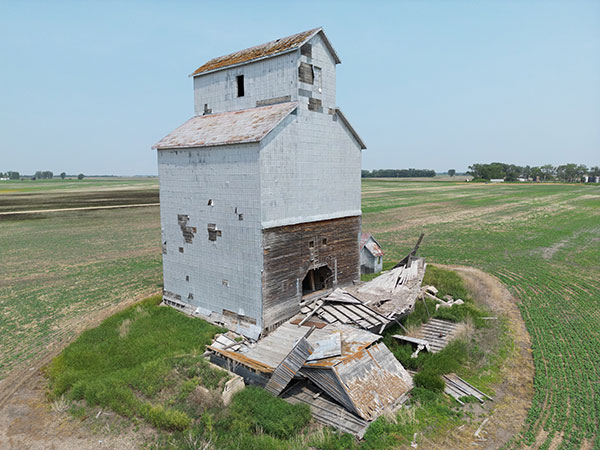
(91, 86)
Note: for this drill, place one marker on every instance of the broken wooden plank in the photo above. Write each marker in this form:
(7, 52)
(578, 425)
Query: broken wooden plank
(413, 340)
(288, 368)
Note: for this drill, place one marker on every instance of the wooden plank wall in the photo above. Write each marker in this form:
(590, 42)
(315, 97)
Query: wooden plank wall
(288, 257)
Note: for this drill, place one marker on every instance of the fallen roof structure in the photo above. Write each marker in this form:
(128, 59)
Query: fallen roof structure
(347, 363)
(393, 293)
(324, 409)
(342, 307)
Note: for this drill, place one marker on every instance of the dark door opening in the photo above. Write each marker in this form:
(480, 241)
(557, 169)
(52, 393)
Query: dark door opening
(317, 279)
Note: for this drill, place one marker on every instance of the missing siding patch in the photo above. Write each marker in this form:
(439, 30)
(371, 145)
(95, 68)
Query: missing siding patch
(274, 100)
(306, 50)
(188, 232)
(238, 317)
(213, 233)
(306, 73)
(314, 104)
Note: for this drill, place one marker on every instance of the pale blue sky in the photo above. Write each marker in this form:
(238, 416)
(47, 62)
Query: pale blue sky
(90, 86)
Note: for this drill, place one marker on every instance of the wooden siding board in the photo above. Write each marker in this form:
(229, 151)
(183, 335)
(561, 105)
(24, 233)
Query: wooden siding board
(287, 259)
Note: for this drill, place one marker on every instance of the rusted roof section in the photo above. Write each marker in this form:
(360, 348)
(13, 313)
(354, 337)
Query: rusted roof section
(273, 48)
(373, 246)
(374, 380)
(232, 127)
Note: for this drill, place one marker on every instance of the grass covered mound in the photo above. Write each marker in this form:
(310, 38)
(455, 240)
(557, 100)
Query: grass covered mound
(135, 361)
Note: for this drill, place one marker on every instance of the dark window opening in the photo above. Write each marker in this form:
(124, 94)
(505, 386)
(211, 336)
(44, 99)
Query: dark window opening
(180, 249)
(210, 202)
(240, 217)
(317, 279)
(311, 244)
(240, 85)
(324, 241)
(306, 50)
(190, 296)
(187, 278)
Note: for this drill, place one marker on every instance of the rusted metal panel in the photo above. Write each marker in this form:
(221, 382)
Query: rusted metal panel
(232, 127)
(288, 257)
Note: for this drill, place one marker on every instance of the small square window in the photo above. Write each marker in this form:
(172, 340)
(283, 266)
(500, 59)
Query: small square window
(180, 249)
(324, 241)
(311, 244)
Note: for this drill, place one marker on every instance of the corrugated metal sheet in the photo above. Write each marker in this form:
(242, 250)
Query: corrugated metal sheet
(374, 380)
(269, 49)
(288, 368)
(233, 127)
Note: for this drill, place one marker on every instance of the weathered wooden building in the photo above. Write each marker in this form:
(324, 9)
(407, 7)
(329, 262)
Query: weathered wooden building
(260, 190)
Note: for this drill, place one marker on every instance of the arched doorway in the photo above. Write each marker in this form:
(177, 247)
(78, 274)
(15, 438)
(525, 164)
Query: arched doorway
(317, 279)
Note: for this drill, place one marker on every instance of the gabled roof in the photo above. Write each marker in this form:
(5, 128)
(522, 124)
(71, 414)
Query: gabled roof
(368, 241)
(350, 128)
(268, 50)
(232, 127)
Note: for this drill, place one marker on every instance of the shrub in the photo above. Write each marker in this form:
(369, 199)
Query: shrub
(430, 380)
(254, 409)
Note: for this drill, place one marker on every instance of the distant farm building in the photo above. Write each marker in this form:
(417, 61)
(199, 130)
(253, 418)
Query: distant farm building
(260, 190)
(371, 254)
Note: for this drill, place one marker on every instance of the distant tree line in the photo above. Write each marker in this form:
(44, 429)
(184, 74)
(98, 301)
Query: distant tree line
(11, 174)
(569, 173)
(39, 175)
(397, 173)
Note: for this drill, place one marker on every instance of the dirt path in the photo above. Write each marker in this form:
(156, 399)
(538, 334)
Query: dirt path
(28, 421)
(82, 208)
(506, 414)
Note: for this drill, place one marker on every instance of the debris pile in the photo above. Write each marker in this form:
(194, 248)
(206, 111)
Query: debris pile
(330, 357)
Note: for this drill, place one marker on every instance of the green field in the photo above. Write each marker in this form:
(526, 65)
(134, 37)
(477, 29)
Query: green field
(60, 270)
(542, 241)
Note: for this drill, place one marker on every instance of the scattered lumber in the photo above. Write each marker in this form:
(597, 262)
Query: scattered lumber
(456, 387)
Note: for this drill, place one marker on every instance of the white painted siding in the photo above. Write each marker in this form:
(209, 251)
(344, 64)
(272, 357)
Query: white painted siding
(266, 79)
(229, 175)
(310, 170)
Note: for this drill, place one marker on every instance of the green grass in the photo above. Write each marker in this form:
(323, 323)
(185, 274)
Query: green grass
(133, 356)
(64, 269)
